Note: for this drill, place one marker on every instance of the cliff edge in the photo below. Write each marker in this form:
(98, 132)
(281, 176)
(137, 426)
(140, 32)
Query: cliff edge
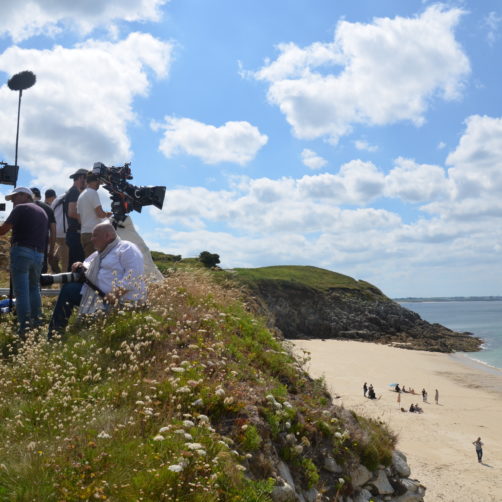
(310, 302)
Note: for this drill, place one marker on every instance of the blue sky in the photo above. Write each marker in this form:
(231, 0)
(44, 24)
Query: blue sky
(359, 136)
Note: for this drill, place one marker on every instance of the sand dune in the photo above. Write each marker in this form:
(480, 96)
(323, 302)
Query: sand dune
(438, 443)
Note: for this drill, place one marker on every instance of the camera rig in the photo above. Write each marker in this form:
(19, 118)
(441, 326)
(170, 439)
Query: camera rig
(124, 196)
(8, 176)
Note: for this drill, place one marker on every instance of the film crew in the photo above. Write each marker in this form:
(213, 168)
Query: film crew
(113, 274)
(29, 225)
(50, 196)
(51, 236)
(90, 212)
(72, 239)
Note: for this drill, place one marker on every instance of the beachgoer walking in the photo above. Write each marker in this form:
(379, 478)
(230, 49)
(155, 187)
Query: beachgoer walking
(436, 397)
(424, 395)
(365, 389)
(479, 449)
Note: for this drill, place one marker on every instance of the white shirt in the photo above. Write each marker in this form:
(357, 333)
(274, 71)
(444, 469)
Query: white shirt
(87, 203)
(122, 267)
(61, 225)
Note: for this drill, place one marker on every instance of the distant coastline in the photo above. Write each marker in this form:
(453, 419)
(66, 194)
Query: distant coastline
(449, 299)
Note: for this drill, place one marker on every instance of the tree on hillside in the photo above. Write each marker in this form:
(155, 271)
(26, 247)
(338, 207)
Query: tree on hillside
(209, 259)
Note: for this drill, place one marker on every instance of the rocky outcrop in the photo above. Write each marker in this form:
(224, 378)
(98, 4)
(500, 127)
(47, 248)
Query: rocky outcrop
(385, 484)
(299, 311)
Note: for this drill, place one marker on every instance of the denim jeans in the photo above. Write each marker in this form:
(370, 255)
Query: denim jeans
(25, 268)
(69, 298)
(75, 249)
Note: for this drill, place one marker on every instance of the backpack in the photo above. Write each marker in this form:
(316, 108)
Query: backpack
(60, 213)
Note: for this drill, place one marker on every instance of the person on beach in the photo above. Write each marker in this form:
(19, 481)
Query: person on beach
(412, 408)
(436, 397)
(424, 395)
(479, 449)
(371, 392)
(365, 389)
(397, 388)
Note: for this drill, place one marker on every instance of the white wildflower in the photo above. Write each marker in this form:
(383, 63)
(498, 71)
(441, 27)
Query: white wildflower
(104, 435)
(194, 446)
(188, 423)
(159, 437)
(175, 468)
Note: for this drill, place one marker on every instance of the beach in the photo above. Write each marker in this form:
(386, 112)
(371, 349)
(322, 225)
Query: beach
(438, 442)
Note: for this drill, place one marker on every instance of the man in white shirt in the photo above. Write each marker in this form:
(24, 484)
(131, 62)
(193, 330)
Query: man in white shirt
(114, 274)
(90, 212)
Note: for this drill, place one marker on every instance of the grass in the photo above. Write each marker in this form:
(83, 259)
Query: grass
(173, 403)
(312, 277)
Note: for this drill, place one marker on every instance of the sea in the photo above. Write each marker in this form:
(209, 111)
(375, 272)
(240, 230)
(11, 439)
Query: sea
(482, 318)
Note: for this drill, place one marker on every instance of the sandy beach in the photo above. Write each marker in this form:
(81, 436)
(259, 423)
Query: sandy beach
(438, 442)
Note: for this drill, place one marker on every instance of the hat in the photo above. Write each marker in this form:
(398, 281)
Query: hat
(50, 193)
(91, 177)
(80, 172)
(35, 191)
(25, 190)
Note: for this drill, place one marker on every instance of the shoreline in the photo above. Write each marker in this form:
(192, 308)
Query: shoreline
(437, 443)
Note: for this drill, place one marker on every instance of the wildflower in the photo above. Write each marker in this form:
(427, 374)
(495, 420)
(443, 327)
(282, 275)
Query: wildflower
(164, 429)
(203, 419)
(104, 435)
(158, 437)
(194, 446)
(198, 402)
(175, 468)
(188, 423)
(220, 392)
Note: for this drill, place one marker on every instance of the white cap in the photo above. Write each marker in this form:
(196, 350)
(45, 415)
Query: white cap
(25, 190)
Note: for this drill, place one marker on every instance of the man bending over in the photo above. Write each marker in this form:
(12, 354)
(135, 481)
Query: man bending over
(115, 268)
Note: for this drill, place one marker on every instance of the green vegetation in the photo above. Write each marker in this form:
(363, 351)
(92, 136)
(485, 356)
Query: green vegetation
(312, 277)
(173, 403)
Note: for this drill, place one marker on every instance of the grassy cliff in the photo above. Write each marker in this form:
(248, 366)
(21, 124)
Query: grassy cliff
(191, 399)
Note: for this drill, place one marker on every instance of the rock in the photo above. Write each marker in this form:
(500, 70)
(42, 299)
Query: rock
(285, 474)
(400, 464)
(360, 476)
(363, 496)
(360, 313)
(310, 495)
(381, 484)
(331, 466)
(284, 493)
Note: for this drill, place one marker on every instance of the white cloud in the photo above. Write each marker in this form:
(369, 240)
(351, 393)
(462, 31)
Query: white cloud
(364, 145)
(236, 142)
(412, 182)
(492, 23)
(376, 74)
(477, 161)
(80, 107)
(22, 19)
(312, 160)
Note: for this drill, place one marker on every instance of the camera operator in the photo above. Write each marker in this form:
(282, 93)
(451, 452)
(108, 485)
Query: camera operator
(90, 212)
(75, 251)
(29, 225)
(115, 269)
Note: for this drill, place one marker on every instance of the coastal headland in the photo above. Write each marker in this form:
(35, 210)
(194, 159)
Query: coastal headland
(438, 442)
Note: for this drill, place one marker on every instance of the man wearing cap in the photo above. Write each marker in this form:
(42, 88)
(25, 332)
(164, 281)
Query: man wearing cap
(51, 237)
(29, 225)
(90, 211)
(75, 250)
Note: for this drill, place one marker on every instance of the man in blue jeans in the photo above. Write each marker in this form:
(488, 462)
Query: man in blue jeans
(29, 225)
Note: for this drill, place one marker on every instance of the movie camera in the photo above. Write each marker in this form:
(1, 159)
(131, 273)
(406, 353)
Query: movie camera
(8, 176)
(124, 196)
